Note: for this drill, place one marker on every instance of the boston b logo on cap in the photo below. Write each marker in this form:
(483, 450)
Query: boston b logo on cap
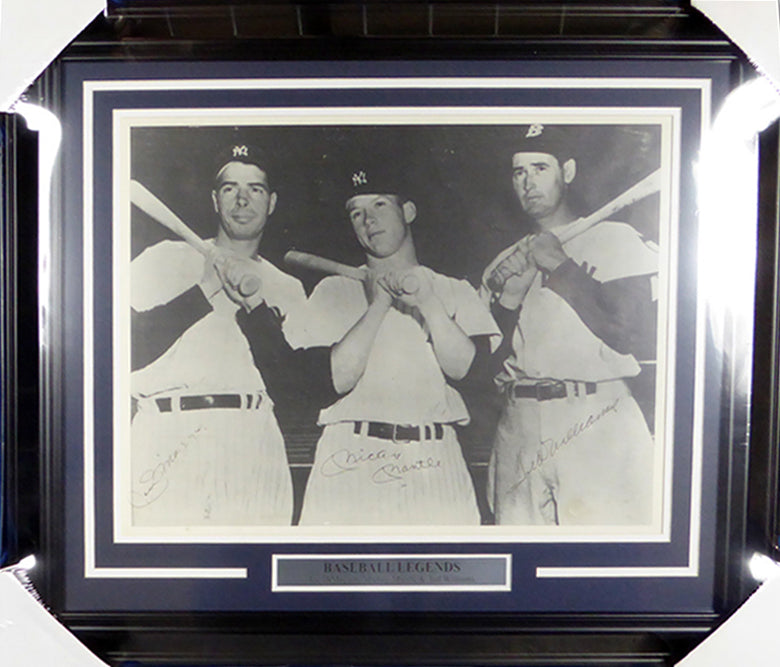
(556, 140)
(534, 131)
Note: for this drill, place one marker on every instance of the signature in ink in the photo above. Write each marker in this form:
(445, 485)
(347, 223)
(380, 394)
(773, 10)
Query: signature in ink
(395, 472)
(549, 448)
(347, 460)
(153, 482)
(384, 466)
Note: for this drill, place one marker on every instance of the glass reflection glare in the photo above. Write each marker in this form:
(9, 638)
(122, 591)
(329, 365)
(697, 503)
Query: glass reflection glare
(27, 563)
(49, 131)
(727, 182)
(762, 567)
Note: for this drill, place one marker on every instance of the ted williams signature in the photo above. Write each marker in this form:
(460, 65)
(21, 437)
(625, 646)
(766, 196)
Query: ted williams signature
(549, 448)
(386, 467)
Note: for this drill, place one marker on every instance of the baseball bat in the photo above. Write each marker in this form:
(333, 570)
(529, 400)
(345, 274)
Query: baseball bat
(306, 260)
(150, 204)
(649, 185)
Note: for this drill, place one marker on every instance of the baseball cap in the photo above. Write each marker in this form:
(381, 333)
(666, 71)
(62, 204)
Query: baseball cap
(372, 177)
(556, 140)
(242, 152)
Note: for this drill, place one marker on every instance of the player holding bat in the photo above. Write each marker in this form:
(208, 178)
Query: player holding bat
(389, 453)
(206, 446)
(572, 446)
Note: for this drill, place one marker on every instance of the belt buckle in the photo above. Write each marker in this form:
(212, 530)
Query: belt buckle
(547, 390)
(398, 440)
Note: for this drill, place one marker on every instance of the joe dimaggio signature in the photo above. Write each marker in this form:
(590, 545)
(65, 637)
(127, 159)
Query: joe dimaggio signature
(153, 482)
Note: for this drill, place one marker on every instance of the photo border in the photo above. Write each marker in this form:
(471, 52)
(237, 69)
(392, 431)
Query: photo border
(667, 119)
(690, 569)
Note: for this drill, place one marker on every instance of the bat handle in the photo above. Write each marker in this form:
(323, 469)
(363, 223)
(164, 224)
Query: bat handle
(248, 285)
(410, 284)
(494, 284)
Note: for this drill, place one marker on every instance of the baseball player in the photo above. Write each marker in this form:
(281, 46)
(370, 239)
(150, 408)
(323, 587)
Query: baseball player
(389, 452)
(206, 448)
(572, 446)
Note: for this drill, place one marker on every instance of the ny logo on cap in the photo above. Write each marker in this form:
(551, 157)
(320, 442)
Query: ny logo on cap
(534, 131)
(240, 151)
(359, 178)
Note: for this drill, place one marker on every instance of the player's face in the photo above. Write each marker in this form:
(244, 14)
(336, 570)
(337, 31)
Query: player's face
(539, 183)
(243, 200)
(381, 222)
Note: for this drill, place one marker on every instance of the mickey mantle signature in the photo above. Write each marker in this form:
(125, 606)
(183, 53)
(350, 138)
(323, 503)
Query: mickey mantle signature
(390, 466)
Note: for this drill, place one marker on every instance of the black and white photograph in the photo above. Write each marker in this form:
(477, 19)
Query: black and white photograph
(403, 322)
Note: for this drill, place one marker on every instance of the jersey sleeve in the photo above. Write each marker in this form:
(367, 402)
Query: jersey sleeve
(153, 331)
(162, 272)
(620, 312)
(283, 292)
(616, 250)
(473, 316)
(332, 309)
(291, 376)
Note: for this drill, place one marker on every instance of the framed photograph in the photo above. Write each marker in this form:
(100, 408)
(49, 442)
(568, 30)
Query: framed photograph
(482, 384)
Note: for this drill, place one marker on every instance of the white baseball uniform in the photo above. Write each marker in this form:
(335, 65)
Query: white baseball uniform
(578, 452)
(389, 453)
(206, 448)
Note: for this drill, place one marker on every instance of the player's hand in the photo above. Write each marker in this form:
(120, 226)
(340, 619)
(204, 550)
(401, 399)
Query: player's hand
(240, 277)
(410, 289)
(516, 287)
(514, 263)
(376, 291)
(547, 252)
(513, 276)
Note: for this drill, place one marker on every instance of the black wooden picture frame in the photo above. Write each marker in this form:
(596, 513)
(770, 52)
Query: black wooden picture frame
(122, 591)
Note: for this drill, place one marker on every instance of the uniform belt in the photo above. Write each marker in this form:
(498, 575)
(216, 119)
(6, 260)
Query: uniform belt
(401, 432)
(547, 390)
(210, 401)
